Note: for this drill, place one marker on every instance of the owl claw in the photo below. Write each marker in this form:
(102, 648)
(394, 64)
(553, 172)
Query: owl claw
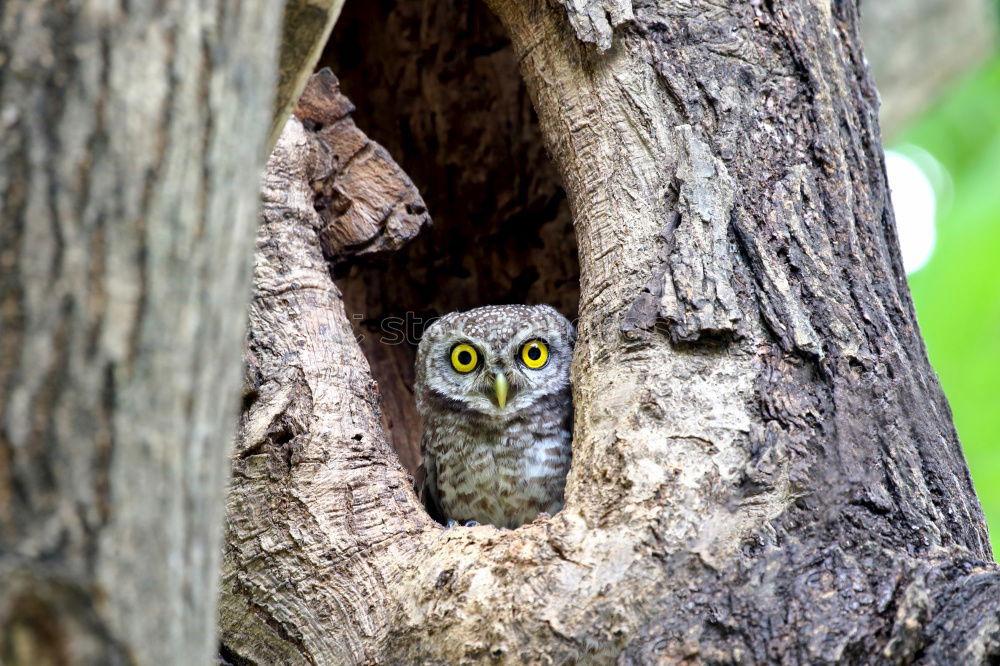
(454, 523)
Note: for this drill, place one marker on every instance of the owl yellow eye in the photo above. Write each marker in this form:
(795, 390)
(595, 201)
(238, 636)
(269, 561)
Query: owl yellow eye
(534, 354)
(464, 358)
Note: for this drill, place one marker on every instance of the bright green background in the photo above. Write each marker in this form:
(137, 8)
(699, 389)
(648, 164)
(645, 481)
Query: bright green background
(957, 294)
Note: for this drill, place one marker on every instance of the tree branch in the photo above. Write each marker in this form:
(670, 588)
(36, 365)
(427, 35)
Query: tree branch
(306, 27)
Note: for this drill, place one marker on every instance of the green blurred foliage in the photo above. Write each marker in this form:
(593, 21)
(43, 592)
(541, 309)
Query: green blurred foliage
(957, 294)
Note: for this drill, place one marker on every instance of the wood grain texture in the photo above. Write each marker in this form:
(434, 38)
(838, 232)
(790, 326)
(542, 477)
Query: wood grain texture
(366, 203)
(594, 21)
(132, 138)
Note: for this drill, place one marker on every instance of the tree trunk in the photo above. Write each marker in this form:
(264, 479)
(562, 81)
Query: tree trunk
(765, 469)
(438, 85)
(132, 138)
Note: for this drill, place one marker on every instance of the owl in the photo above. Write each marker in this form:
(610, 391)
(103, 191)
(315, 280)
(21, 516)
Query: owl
(493, 387)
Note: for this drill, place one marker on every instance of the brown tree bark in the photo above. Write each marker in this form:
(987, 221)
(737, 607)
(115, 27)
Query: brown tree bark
(765, 469)
(131, 137)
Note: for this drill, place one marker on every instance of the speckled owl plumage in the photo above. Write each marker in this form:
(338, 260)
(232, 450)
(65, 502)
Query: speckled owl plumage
(499, 465)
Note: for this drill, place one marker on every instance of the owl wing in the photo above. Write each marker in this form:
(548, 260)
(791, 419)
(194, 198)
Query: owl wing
(428, 487)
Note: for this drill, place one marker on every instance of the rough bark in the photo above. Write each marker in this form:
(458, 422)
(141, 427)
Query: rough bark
(765, 468)
(132, 138)
(311, 406)
(438, 85)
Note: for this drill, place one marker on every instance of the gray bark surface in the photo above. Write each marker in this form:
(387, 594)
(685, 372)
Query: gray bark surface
(131, 137)
(765, 469)
(311, 406)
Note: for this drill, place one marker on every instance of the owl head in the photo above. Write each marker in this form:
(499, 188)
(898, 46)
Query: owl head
(495, 361)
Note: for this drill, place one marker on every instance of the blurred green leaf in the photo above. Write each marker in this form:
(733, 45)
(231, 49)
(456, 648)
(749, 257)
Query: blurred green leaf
(957, 294)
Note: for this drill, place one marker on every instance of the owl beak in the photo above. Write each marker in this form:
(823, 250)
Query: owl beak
(501, 386)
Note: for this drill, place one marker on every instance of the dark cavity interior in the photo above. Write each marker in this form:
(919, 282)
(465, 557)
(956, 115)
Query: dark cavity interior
(438, 85)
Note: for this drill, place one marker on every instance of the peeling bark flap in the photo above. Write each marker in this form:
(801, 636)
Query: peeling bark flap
(366, 201)
(594, 21)
(691, 289)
